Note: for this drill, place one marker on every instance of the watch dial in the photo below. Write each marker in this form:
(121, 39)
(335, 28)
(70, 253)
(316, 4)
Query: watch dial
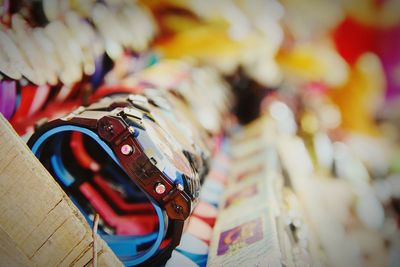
(175, 127)
(167, 145)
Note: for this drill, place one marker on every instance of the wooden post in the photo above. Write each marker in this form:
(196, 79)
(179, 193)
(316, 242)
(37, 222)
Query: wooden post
(39, 225)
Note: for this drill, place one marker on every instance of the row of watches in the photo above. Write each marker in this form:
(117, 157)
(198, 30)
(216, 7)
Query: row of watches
(151, 148)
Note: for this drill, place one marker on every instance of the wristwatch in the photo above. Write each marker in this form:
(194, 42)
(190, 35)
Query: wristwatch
(174, 120)
(126, 131)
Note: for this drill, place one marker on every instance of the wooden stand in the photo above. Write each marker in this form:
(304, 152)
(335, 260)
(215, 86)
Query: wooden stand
(39, 225)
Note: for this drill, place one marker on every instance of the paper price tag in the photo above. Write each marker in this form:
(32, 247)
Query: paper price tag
(247, 239)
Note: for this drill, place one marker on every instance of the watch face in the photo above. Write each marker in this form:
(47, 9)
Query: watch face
(167, 145)
(173, 126)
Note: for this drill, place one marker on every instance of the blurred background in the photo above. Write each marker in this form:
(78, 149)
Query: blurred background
(327, 72)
